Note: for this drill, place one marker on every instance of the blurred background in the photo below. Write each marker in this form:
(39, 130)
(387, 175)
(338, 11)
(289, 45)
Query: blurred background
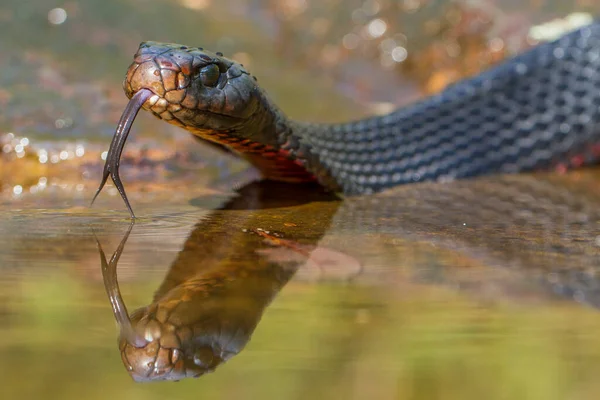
(61, 69)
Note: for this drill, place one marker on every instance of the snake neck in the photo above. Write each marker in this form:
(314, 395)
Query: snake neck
(282, 148)
(262, 139)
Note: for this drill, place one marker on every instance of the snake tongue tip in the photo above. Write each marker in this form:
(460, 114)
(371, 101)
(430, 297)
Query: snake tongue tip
(94, 199)
(105, 175)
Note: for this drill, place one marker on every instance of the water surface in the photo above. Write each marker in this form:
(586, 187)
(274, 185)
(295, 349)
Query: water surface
(466, 290)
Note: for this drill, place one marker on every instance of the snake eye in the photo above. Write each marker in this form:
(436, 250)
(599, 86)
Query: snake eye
(210, 75)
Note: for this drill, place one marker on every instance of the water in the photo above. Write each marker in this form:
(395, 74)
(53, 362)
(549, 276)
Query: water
(388, 305)
(469, 290)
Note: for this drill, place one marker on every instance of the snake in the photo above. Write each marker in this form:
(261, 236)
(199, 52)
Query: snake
(537, 111)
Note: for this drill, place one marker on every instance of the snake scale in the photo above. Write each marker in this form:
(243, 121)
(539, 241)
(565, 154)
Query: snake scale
(539, 110)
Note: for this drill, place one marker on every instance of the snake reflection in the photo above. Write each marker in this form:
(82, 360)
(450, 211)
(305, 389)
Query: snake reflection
(543, 229)
(217, 288)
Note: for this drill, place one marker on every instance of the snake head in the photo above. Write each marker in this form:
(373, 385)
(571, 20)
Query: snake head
(172, 353)
(192, 88)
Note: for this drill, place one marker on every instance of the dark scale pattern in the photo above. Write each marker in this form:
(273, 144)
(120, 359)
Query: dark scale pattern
(537, 111)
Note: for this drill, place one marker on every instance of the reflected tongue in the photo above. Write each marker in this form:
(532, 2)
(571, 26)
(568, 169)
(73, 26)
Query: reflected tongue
(113, 158)
(109, 275)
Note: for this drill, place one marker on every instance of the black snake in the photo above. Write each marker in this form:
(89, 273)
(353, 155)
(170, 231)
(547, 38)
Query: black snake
(539, 110)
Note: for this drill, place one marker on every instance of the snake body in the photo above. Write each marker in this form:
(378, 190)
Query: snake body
(539, 110)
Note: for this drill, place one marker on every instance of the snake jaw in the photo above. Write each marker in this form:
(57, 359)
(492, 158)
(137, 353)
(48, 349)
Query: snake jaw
(172, 354)
(154, 362)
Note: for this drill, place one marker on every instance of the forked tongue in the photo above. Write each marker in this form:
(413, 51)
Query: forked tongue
(109, 273)
(113, 158)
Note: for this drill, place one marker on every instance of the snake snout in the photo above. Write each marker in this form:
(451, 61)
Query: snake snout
(145, 75)
(167, 84)
(164, 69)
